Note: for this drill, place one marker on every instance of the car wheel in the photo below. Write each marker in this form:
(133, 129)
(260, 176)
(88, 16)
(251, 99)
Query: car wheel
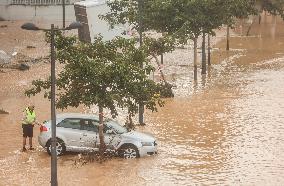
(129, 152)
(60, 147)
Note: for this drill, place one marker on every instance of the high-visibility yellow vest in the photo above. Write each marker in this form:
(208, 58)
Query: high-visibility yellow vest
(30, 116)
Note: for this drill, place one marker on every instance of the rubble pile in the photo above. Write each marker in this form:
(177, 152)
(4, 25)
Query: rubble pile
(19, 61)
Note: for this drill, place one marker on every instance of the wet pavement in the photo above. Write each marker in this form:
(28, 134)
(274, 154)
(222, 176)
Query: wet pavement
(228, 129)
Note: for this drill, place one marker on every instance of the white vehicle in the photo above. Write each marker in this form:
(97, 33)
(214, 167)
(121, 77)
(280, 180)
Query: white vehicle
(79, 133)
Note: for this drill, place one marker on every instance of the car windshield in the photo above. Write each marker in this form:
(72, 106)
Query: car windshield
(116, 127)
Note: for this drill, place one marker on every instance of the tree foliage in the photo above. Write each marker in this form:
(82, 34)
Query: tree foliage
(105, 73)
(158, 46)
(274, 7)
(129, 12)
(240, 9)
(182, 19)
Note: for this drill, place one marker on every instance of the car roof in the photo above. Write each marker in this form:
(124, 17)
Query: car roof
(77, 115)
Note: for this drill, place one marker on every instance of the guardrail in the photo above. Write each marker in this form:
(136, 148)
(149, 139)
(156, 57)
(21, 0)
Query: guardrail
(41, 2)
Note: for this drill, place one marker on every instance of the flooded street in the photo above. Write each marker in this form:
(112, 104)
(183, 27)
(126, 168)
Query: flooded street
(228, 129)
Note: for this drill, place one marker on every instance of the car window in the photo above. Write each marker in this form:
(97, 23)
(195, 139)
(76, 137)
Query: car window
(96, 124)
(89, 125)
(72, 123)
(110, 124)
(106, 128)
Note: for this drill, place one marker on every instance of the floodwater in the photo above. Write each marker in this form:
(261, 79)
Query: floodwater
(228, 129)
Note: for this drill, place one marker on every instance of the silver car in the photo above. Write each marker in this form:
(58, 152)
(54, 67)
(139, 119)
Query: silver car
(79, 133)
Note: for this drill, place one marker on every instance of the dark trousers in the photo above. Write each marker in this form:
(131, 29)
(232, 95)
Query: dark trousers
(27, 130)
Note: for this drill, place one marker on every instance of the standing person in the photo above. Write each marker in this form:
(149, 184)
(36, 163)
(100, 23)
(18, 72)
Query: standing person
(29, 120)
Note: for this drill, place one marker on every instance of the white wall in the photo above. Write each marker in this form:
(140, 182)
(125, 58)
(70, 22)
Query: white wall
(36, 13)
(98, 26)
(4, 2)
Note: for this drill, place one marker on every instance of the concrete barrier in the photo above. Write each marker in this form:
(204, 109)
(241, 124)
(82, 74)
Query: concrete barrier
(36, 13)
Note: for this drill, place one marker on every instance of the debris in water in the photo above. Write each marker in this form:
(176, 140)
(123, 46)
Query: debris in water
(2, 111)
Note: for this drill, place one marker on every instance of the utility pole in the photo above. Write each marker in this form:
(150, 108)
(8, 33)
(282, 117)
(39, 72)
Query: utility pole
(31, 26)
(53, 114)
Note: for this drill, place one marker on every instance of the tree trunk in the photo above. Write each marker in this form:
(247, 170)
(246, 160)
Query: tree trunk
(209, 51)
(249, 28)
(241, 26)
(140, 30)
(102, 147)
(140, 22)
(130, 119)
(130, 124)
(162, 58)
(195, 58)
(203, 71)
(228, 37)
(160, 68)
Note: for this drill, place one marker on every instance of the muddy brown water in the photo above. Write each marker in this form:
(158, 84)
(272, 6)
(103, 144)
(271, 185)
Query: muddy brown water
(226, 130)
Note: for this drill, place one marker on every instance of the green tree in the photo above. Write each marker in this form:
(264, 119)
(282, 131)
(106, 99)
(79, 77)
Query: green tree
(103, 73)
(182, 19)
(138, 14)
(239, 9)
(275, 7)
(159, 46)
(189, 19)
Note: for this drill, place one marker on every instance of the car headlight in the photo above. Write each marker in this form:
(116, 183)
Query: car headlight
(147, 143)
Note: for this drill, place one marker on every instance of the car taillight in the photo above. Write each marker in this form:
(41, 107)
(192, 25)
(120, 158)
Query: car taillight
(42, 128)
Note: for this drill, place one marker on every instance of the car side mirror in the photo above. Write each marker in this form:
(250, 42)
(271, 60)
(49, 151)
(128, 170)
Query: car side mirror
(110, 131)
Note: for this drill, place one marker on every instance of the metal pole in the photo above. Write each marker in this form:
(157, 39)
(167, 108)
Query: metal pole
(63, 8)
(53, 116)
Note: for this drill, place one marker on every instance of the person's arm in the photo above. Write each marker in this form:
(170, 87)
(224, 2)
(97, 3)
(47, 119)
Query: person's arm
(24, 116)
(36, 122)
